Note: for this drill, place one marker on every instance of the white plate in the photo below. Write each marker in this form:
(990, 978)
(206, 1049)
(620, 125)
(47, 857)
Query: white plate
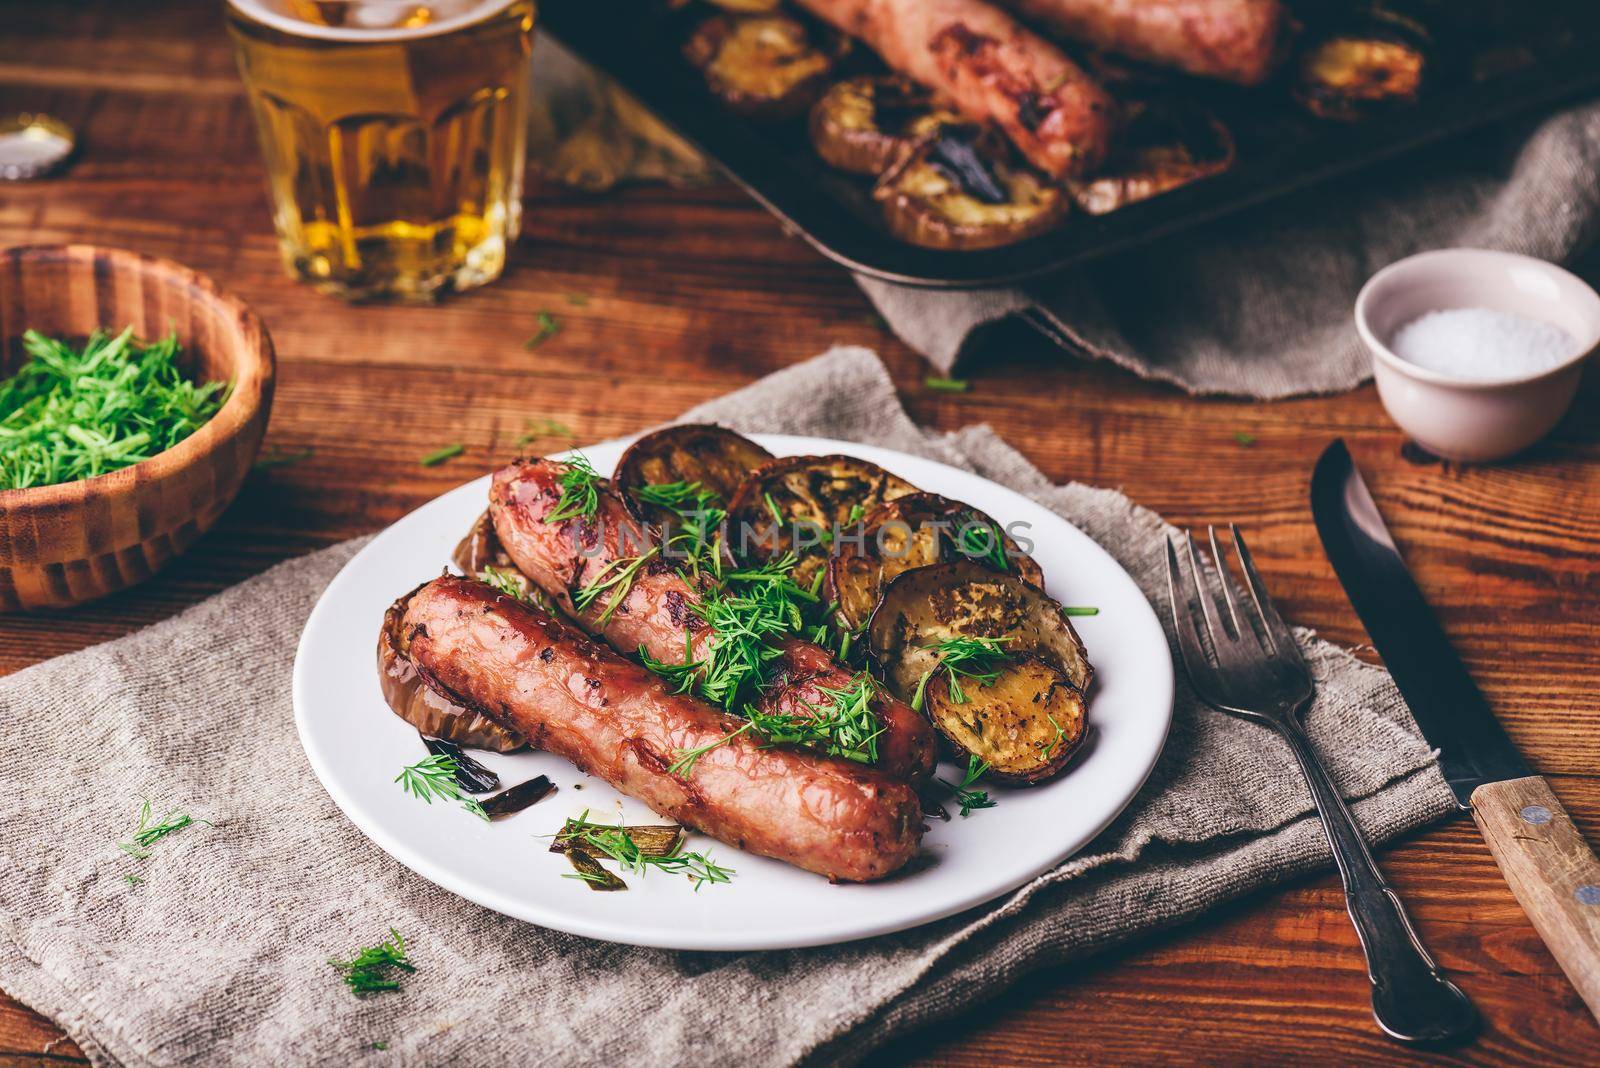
(357, 747)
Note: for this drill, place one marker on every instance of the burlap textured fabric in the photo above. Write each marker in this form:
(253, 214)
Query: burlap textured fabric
(218, 956)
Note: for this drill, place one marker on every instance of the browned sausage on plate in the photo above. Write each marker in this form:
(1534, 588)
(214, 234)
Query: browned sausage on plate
(570, 696)
(1234, 40)
(657, 612)
(992, 69)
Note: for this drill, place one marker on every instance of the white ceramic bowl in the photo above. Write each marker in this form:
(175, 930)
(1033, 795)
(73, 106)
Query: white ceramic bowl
(1462, 419)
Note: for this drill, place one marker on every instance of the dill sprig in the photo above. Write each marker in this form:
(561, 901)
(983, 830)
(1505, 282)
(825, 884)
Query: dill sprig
(70, 414)
(685, 758)
(696, 536)
(969, 799)
(616, 843)
(979, 540)
(435, 777)
(370, 971)
(617, 575)
(580, 490)
(845, 725)
(973, 658)
(504, 581)
(148, 831)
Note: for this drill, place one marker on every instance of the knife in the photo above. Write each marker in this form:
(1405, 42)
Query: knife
(1549, 867)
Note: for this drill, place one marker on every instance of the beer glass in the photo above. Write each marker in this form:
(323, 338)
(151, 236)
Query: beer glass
(392, 134)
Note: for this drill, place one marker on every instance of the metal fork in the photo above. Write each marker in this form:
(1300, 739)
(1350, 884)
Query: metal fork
(1247, 663)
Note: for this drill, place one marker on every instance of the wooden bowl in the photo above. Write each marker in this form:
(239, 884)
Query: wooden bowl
(66, 544)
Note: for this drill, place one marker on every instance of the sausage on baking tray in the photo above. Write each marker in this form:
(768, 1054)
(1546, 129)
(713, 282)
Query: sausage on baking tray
(992, 69)
(657, 614)
(1234, 40)
(573, 697)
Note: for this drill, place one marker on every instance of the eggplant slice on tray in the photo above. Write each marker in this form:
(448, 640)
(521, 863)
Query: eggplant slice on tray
(764, 66)
(1375, 61)
(863, 125)
(965, 188)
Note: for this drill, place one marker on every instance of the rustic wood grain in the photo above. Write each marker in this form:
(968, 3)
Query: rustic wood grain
(690, 293)
(1552, 871)
(66, 544)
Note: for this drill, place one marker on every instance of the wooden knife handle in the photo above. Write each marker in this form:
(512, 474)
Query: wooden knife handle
(1551, 870)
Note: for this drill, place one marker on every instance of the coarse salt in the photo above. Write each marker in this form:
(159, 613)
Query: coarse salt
(1482, 344)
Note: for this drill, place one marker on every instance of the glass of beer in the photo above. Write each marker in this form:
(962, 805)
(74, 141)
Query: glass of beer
(393, 135)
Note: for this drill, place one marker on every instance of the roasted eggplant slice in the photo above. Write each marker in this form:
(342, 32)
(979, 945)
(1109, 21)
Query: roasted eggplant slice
(965, 190)
(796, 503)
(717, 458)
(769, 66)
(1165, 144)
(435, 715)
(1376, 61)
(917, 530)
(1025, 724)
(863, 125)
(928, 605)
(1020, 708)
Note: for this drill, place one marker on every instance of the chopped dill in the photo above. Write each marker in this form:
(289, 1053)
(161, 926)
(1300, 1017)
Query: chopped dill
(616, 843)
(617, 575)
(70, 414)
(974, 658)
(1243, 438)
(435, 776)
(443, 453)
(549, 327)
(133, 880)
(580, 490)
(979, 540)
(844, 726)
(148, 831)
(505, 581)
(537, 429)
(1079, 610)
(371, 970)
(686, 758)
(275, 458)
(947, 385)
(969, 799)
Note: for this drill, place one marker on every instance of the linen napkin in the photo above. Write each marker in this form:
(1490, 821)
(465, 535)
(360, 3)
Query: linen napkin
(216, 952)
(1259, 303)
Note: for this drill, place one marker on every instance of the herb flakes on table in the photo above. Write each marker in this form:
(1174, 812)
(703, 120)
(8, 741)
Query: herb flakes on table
(549, 327)
(70, 414)
(149, 830)
(371, 970)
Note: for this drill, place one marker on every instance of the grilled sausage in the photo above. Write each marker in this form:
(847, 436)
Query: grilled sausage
(570, 696)
(1234, 40)
(657, 614)
(992, 69)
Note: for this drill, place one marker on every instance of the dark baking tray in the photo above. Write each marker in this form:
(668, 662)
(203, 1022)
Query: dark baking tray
(1490, 60)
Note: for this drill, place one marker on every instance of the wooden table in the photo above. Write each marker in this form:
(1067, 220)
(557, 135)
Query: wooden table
(693, 293)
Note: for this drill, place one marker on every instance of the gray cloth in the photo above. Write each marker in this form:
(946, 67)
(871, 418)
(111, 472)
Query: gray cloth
(1259, 303)
(218, 956)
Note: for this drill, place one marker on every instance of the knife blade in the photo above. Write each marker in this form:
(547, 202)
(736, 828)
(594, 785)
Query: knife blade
(1548, 865)
(1448, 707)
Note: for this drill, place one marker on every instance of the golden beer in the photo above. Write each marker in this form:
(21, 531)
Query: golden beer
(393, 136)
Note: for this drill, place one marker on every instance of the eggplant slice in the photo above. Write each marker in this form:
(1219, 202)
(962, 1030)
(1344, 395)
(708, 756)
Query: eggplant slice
(414, 701)
(1025, 725)
(966, 189)
(863, 125)
(767, 66)
(1375, 62)
(807, 495)
(917, 530)
(1166, 143)
(713, 456)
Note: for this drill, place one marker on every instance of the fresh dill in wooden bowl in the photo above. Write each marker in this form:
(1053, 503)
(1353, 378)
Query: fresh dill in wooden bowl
(75, 412)
(134, 394)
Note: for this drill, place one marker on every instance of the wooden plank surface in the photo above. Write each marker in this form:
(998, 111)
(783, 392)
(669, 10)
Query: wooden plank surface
(692, 293)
